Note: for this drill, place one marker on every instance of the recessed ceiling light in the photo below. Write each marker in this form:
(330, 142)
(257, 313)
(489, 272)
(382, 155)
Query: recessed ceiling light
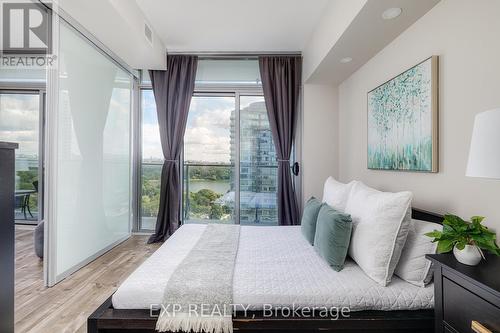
(391, 13)
(345, 60)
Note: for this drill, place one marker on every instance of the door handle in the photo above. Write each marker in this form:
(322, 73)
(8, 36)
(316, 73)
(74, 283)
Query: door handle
(478, 327)
(295, 168)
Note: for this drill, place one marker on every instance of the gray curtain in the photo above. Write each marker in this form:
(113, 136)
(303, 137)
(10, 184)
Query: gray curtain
(281, 80)
(173, 90)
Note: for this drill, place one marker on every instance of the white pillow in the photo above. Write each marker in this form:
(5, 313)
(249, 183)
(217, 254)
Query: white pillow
(412, 266)
(336, 194)
(381, 221)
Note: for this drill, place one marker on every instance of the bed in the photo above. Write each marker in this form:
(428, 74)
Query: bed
(275, 265)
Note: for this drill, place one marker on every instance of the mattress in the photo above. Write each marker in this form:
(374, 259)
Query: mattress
(275, 266)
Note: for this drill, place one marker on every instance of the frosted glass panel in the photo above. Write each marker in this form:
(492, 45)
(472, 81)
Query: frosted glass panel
(228, 72)
(93, 176)
(22, 75)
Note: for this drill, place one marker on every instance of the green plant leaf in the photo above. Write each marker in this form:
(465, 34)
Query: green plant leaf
(489, 245)
(453, 219)
(455, 222)
(445, 245)
(458, 232)
(483, 237)
(477, 219)
(434, 234)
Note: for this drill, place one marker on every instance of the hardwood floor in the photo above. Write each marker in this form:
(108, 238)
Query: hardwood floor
(66, 306)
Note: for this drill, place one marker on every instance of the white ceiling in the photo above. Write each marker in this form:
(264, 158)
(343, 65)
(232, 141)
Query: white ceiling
(324, 30)
(233, 25)
(365, 36)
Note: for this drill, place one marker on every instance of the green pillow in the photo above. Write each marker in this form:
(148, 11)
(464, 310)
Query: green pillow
(309, 217)
(333, 234)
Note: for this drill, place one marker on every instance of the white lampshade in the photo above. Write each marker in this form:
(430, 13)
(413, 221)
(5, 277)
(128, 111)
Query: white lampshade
(484, 154)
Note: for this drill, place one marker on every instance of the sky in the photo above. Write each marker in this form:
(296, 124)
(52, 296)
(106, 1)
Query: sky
(207, 136)
(19, 121)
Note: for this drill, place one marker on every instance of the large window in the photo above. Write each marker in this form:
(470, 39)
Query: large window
(152, 161)
(20, 123)
(258, 166)
(229, 172)
(209, 175)
(224, 132)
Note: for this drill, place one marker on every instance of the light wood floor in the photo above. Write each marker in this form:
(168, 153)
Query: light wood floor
(66, 306)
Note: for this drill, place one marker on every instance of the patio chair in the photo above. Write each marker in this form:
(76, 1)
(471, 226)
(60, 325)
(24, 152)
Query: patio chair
(21, 202)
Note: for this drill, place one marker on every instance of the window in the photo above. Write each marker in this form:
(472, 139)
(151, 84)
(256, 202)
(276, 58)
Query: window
(221, 72)
(209, 175)
(19, 122)
(229, 170)
(258, 166)
(228, 72)
(152, 161)
(220, 134)
(22, 75)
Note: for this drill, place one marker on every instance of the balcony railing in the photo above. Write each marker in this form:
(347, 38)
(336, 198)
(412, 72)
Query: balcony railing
(209, 193)
(26, 193)
(204, 186)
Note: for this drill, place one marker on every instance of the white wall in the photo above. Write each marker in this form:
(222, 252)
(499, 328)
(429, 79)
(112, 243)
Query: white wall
(465, 35)
(320, 138)
(320, 101)
(335, 20)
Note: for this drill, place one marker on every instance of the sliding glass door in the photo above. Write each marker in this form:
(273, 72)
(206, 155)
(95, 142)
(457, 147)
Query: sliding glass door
(89, 169)
(209, 175)
(258, 166)
(20, 120)
(229, 173)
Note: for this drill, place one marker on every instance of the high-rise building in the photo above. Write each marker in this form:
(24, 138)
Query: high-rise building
(258, 165)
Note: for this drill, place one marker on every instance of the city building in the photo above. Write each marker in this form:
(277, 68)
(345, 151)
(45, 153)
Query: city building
(258, 166)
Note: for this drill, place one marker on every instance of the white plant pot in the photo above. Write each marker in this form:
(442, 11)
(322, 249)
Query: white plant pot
(470, 255)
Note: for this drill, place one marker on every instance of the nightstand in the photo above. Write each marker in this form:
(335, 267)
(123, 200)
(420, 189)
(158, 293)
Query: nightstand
(466, 298)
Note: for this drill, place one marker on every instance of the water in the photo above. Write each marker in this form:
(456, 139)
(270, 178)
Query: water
(219, 186)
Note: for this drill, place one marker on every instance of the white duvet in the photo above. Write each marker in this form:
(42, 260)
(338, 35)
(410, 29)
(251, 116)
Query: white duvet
(274, 265)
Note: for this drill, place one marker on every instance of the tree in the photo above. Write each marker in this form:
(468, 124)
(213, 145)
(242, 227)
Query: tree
(216, 212)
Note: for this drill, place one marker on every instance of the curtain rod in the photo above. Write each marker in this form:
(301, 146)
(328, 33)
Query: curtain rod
(234, 55)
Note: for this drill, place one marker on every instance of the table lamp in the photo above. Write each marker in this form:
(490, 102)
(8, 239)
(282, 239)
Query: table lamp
(484, 154)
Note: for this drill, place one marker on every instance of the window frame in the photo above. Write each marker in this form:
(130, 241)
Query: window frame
(137, 181)
(35, 89)
(236, 90)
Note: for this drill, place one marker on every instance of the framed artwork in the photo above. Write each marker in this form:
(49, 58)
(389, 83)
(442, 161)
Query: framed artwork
(403, 121)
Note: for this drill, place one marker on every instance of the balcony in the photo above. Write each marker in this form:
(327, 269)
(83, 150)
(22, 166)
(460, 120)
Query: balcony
(26, 194)
(209, 194)
(150, 194)
(206, 189)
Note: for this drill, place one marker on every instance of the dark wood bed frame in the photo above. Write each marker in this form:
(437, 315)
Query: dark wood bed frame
(106, 319)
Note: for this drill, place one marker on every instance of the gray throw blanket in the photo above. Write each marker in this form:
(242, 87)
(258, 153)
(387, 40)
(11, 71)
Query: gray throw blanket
(198, 297)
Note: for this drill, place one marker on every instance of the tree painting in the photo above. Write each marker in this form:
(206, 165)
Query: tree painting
(400, 121)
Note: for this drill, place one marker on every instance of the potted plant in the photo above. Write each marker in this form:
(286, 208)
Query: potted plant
(467, 239)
